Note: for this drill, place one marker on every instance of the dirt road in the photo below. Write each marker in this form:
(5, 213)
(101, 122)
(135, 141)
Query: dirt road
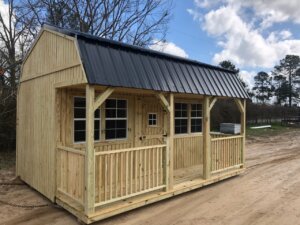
(267, 193)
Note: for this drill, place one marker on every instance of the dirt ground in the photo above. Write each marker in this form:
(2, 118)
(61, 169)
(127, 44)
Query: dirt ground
(267, 193)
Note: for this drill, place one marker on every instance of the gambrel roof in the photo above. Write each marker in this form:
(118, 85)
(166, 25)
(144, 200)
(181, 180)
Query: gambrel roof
(112, 63)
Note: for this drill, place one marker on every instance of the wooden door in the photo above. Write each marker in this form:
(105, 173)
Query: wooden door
(151, 121)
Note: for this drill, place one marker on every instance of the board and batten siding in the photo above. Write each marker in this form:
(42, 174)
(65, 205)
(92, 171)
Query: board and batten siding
(53, 60)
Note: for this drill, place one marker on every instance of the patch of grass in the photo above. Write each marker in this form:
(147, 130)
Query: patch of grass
(7, 159)
(276, 129)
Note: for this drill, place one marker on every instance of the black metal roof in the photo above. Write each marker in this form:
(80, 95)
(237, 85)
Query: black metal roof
(116, 64)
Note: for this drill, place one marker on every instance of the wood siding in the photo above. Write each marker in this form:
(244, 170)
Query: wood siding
(36, 114)
(50, 53)
(188, 151)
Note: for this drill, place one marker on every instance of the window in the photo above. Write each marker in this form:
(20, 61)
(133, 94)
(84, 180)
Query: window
(188, 118)
(181, 118)
(152, 119)
(80, 120)
(196, 118)
(115, 119)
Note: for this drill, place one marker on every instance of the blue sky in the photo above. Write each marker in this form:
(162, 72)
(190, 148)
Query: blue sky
(254, 35)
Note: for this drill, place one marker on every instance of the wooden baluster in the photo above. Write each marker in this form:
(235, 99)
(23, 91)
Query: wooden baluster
(126, 173)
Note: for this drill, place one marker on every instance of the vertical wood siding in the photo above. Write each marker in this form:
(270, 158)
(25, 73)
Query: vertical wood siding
(188, 151)
(36, 114)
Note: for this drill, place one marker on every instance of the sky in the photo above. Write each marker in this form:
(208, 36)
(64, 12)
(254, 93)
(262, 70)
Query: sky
(254, 35)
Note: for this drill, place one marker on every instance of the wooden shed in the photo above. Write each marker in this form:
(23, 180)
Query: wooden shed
(104, 127)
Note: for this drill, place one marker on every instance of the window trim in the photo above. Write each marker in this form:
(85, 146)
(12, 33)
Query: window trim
(84, 119)
(156, 120)
(189, 107)
(182, 118)
(197, 117)
(125, 118)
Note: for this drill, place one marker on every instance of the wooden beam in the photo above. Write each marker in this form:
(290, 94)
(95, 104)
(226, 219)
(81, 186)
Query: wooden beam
(164, 101)
(171, 141)
(243, 129)
(241, 106)
(212, 103)
(89, 188)
(102, 97)
(206, 139)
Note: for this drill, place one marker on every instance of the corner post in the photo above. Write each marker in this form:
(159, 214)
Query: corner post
(206, 139)
(89, 189)
(243, 130)
(171, 142)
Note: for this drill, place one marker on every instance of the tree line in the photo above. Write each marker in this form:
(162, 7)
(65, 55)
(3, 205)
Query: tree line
(279, 87)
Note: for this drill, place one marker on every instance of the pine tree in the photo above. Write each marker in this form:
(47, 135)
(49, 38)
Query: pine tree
(263, 88)
(288, 68)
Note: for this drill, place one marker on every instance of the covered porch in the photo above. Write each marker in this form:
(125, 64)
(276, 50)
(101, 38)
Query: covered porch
(98, 178)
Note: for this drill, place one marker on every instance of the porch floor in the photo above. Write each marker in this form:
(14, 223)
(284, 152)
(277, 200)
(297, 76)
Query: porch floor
(189, 173)
(145, 199)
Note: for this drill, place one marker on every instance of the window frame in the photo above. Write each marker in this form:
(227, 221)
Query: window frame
(156, 119)
(189, 118)
(125, 118)
(182, 118)
(197, 117)
(84, 119)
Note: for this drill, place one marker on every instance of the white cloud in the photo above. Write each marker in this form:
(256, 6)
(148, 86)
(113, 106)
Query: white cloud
(195, 14)
(241, 41)
(248, 77)
(4, 11)
(168, 47)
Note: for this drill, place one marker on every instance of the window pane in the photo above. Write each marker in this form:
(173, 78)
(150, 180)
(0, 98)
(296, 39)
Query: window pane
(194, 106)
(79, 136)
(181, 126)
(177, 106)
(79, 113)
(121, 133)
(150, 122)
(110, 124)
(110, 103)
(122, 104)
(110, 134)
(180, 110)
(152, 119)
(97, 135)
(97, 124)
(177, 113)
(177, 130)
(97, 113)
(79, 102)
(110, 113)
(116, 122)
(121, 124)
(196, 125)
(79, 125)
(121, 113)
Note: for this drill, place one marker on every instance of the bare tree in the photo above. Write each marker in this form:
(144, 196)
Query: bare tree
(14, 40)
(136, 22)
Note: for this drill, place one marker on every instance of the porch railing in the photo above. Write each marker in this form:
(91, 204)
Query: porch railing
(226, 153)
(125, 173)
(70, 173)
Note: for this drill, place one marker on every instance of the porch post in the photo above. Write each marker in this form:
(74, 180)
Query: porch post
(241, 104)
(171, 142)
(89, 189)
(243, 130)
(206, 139)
